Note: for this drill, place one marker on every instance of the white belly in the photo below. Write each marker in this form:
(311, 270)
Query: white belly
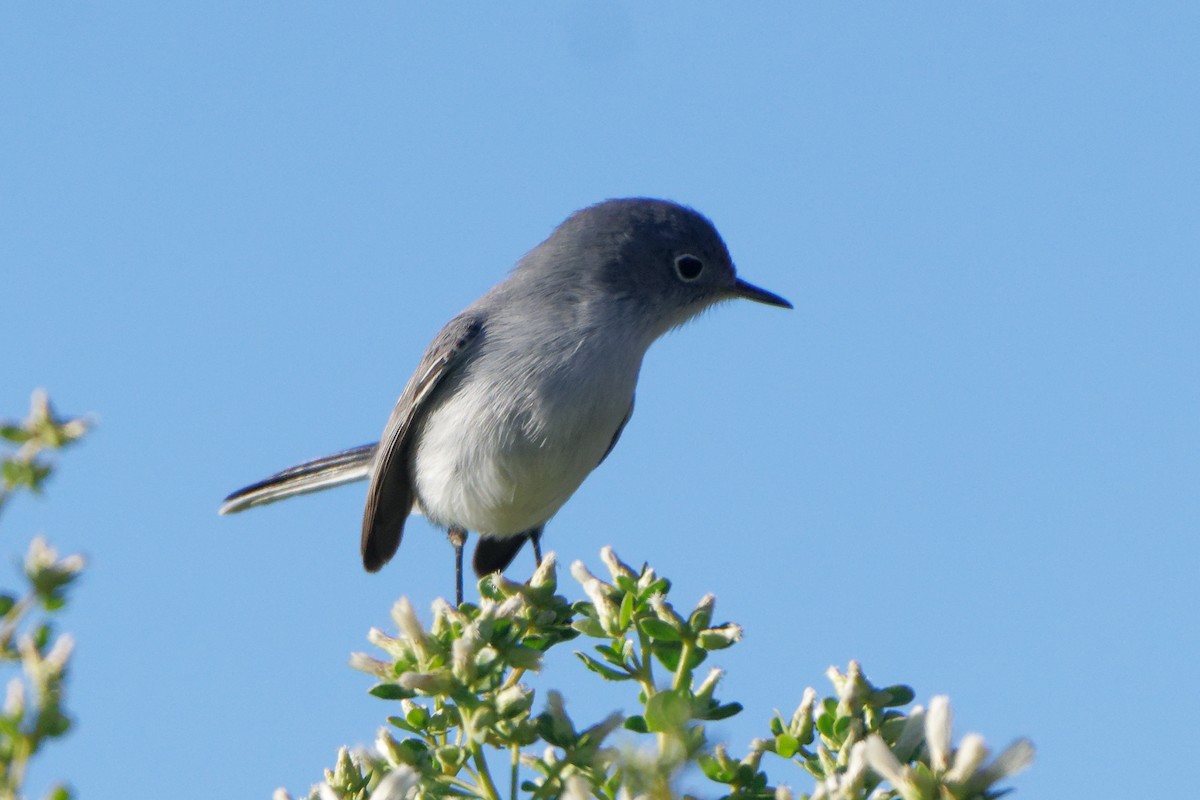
(502, 468)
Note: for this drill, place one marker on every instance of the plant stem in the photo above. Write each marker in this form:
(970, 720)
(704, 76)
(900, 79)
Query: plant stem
(683, 672)
(516, 763)
(485, 775)
(646, 679)
(513, 678)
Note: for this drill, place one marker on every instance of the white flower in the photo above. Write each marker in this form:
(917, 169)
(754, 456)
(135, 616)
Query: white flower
(938, 721)
(406, 620)
(615, 565)
(545, 571)
(597, 591)
(1015, 758)
(397, 784)
(884, 763)
(970, 754)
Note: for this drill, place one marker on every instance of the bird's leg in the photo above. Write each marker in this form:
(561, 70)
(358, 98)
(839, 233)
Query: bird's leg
(458, 537)
(535, 538)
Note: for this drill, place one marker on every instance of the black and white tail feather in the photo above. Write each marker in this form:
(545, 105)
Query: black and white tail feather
(346, 466)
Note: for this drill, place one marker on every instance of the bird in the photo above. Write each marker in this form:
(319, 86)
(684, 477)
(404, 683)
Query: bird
(527, 390)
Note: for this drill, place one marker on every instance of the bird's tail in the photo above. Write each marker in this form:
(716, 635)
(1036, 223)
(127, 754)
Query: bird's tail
(311, 476)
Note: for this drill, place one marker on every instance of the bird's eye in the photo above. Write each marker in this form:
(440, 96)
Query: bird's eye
(688, 267)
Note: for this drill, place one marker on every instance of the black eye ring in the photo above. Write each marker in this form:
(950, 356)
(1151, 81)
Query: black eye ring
(688, 267)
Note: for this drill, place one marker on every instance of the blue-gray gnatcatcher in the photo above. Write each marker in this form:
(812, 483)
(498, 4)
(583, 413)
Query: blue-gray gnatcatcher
(525, 392)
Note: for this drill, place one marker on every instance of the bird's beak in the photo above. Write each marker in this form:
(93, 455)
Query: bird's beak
(751, 292)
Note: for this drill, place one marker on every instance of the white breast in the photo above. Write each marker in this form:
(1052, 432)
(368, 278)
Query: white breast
(512, 436)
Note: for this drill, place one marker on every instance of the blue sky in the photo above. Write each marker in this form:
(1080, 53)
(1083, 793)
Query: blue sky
(969, 458)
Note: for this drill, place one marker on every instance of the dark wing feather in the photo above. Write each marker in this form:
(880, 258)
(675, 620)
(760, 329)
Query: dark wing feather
(620, 428)
(390, 495)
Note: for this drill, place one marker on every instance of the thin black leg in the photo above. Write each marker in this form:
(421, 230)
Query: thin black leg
(535, 538)
(458, 538)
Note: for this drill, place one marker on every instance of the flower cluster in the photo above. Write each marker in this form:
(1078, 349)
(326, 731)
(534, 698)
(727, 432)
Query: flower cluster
(462, 707)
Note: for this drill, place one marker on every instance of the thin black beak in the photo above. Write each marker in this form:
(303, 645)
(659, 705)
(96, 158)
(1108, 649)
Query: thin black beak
(752, 292)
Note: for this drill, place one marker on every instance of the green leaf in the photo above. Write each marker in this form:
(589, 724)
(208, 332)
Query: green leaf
(898, 695)
(607, 673)
(402, 724)
(557, 735)
(15, 434)
(724, 711)
(417, 716)
(713, 770)
(14, 473)
(7, 601)
(451, 756)
(657, 629)
(669, 710)
(488, 590)
(841, 728)
(589, 627)
(787, 745)
(41, 635)
(700, 618)
(626, 610)
(668, 653)
(611, 654)
(636, 723)
(660, 586)
(391, 691)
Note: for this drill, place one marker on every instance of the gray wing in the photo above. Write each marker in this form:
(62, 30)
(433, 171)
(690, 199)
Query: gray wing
(390, 495)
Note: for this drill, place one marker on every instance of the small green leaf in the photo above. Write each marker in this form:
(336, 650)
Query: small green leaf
(554, 733)
(898, 695)
(390, 691)
(787, 745)
(402, 724)
(668, 653)
(589, 627)
(451, 756)
(724, 712)
(841, 728)
(15, 434)
(657, 629)
(711, 768)
(626, 610)
(637, 724)
(41, 635)
(417, 716)
(607, 673)
(489, 590)
(7, 601)
(660, 586)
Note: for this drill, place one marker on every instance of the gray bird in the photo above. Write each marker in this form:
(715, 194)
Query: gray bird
(524, 393)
